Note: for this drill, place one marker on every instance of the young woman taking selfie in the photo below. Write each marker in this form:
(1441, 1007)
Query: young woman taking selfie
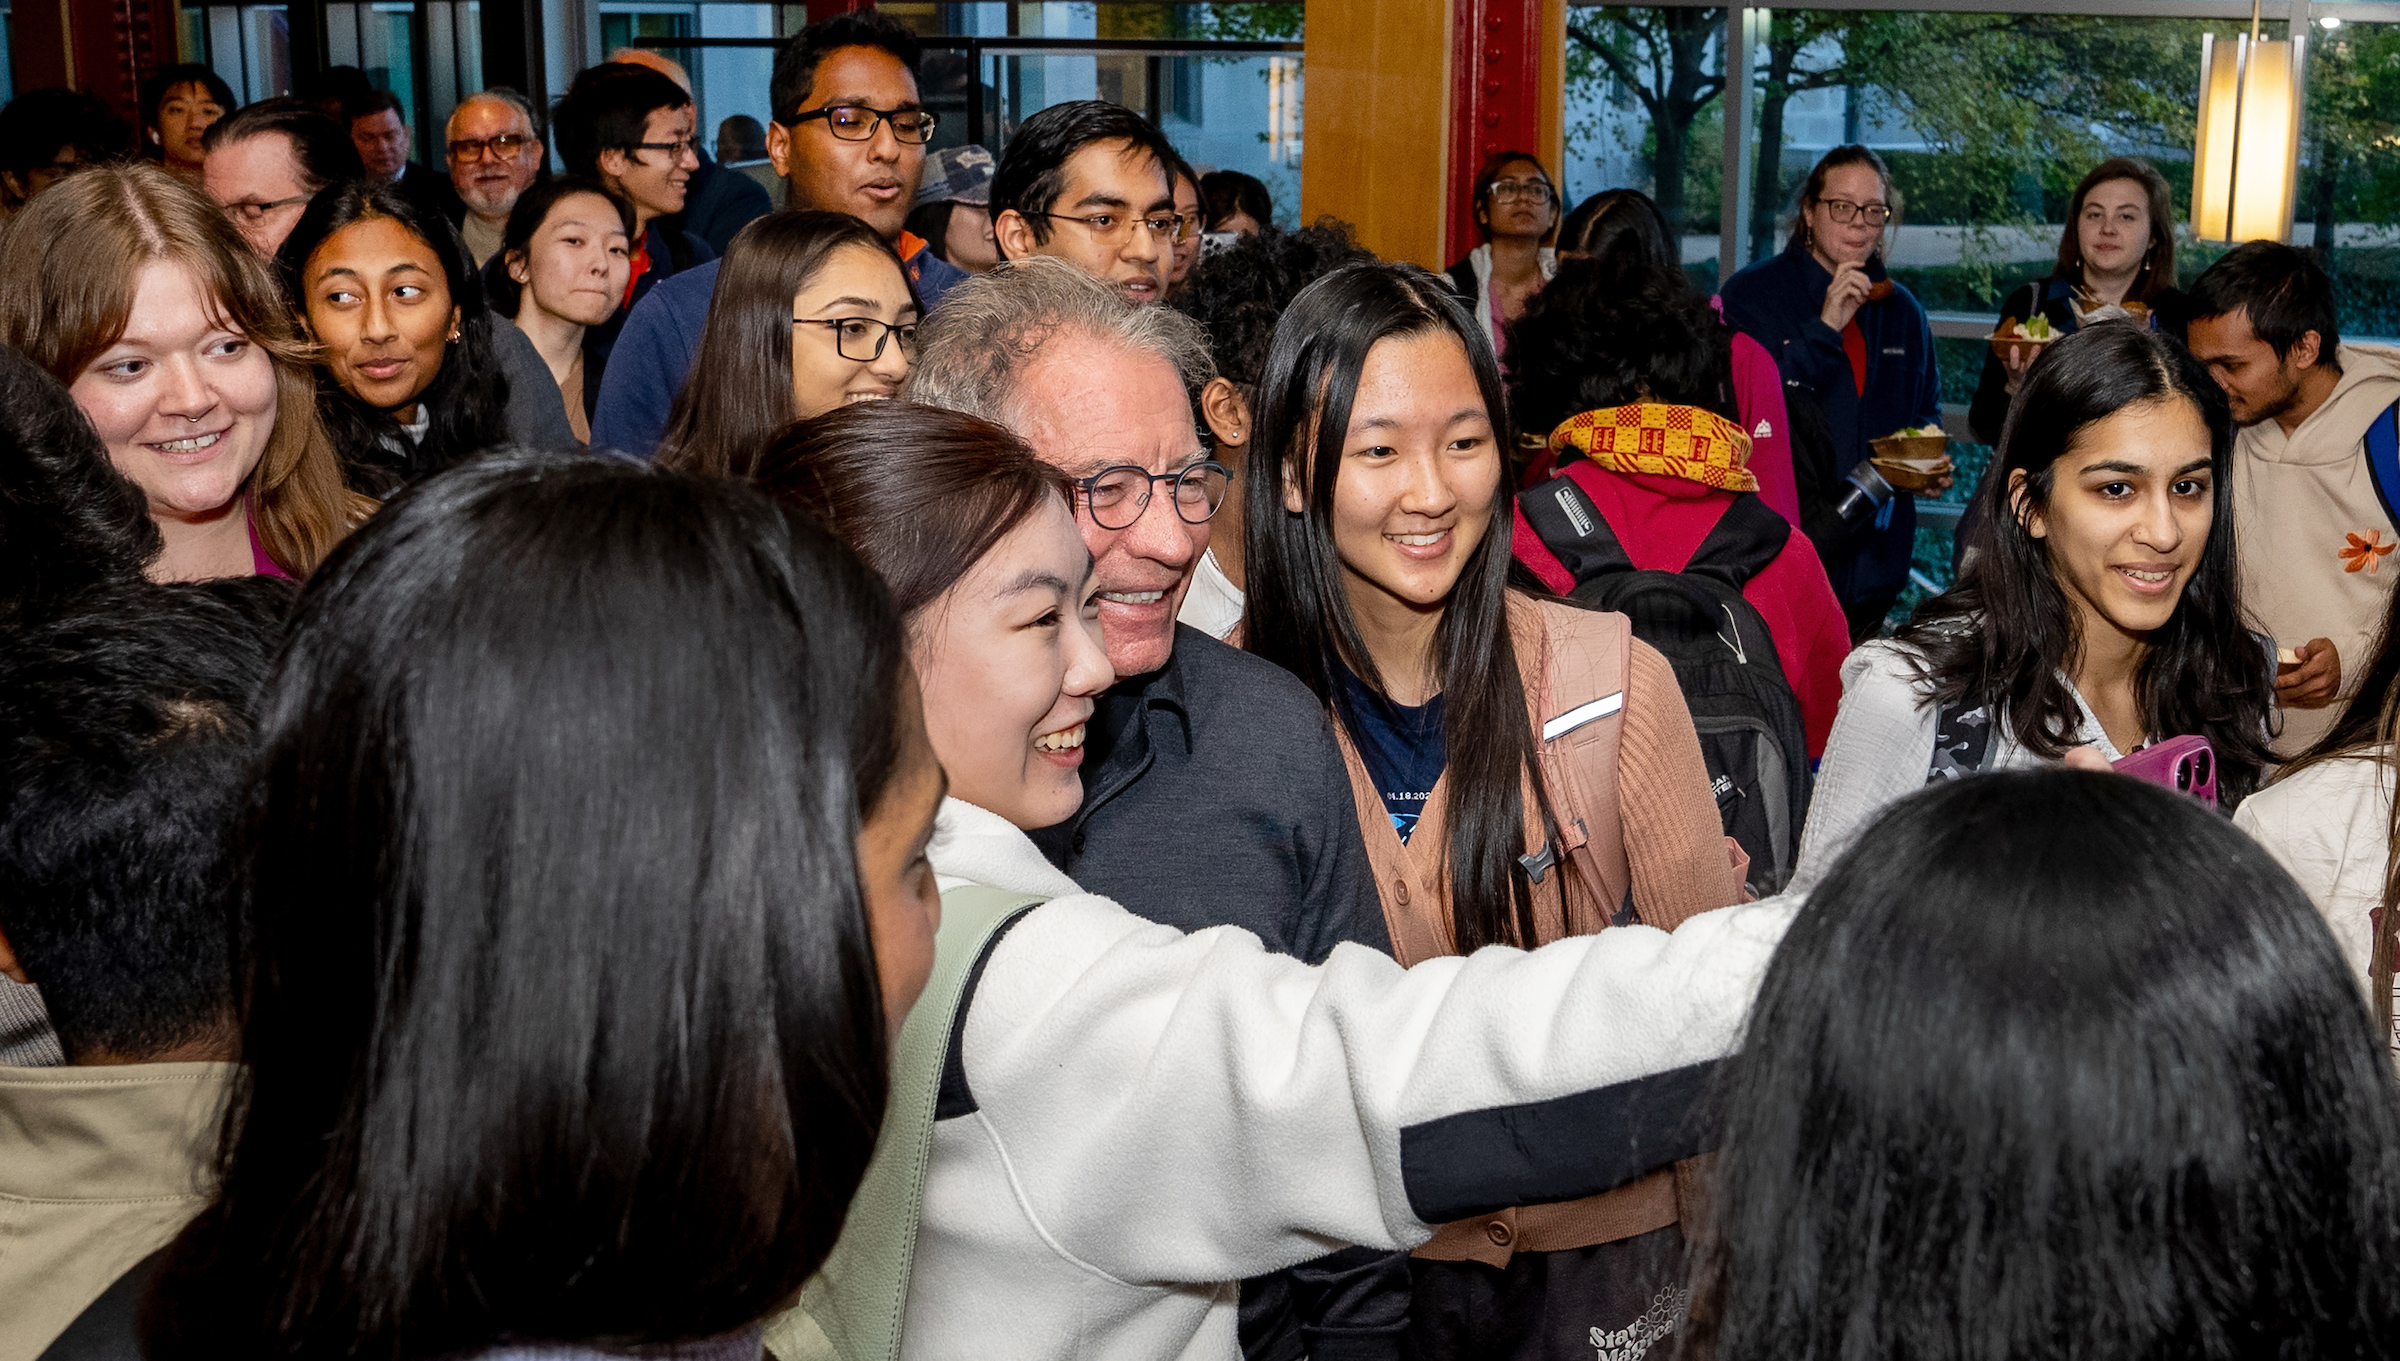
(2099, 607)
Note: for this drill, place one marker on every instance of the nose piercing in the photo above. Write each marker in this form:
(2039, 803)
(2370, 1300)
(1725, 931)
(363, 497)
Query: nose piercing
(193, 419)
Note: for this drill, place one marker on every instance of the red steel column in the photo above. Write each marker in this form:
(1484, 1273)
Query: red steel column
(1495, 99)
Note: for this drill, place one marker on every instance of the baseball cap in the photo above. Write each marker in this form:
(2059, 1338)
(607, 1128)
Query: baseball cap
(960, 174)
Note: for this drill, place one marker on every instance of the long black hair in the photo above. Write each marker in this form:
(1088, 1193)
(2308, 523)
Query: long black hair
(467, 401)
(1620, 223)
(560, 1019)
(2053, 1065)
(1299, 613)
(2003, 634)
(1612, 330)
(68, 519)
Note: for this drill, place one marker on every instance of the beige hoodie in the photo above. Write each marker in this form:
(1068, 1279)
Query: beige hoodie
(2297, 500)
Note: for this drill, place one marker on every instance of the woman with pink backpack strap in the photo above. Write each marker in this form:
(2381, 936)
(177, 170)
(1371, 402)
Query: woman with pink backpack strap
(1524, 769)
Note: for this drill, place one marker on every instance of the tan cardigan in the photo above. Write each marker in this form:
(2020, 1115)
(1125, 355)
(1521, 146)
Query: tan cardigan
(1680, 864)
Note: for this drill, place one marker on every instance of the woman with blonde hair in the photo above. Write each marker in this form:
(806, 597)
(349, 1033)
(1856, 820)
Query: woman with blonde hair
(136, 292)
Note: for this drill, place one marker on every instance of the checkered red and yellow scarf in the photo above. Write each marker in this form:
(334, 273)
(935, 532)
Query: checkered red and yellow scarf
(1650, 437)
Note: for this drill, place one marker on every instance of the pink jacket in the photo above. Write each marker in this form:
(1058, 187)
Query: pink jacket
(1758, 395)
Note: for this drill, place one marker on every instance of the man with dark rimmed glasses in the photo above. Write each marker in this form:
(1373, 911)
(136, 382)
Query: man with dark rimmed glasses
(848, 135)
(1213, 792)
(1088, 182)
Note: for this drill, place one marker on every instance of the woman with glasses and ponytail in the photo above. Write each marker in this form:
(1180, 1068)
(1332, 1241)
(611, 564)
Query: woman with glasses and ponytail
(1523, 769)
(1516, 209)
(812, 311)
(1857, 358)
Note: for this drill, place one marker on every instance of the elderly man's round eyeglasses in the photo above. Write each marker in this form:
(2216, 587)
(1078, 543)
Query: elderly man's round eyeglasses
(857, 122)
(1118, 496)
(1844, 211)
(1115, 229)
(505, 146)
(862, 338)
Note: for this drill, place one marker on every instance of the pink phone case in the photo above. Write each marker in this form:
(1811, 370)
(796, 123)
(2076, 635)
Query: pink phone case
(2187, 765)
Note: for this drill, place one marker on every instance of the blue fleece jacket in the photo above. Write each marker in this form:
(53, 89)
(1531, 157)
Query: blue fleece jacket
(662, 333)
(1777, 302)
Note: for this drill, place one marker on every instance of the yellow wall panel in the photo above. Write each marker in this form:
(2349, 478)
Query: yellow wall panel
(1377, 122)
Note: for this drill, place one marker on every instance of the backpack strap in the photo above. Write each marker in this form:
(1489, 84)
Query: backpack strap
(1748, 537)
(1962, 742)
(851, 1310)
(1584, 666)
(2383, 459)
(1573, 529)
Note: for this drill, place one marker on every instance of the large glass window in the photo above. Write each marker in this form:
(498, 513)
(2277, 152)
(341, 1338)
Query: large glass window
(2349, 203)
(429, 53)
(1988, 120)
(249, 46)
(1644, 110)
(376, 39)
(1223, 81)
(727, 81)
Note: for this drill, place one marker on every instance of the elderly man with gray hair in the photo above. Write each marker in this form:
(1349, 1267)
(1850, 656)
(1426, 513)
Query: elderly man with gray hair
(495, 153)
(1213, 793)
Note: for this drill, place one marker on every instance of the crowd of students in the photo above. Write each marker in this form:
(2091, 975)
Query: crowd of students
(589, 769)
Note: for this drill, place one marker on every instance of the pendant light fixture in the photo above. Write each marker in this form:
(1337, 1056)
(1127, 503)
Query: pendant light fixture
(2246, 155)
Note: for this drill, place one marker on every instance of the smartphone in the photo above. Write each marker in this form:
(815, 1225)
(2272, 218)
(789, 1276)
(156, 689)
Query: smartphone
(2187, 765)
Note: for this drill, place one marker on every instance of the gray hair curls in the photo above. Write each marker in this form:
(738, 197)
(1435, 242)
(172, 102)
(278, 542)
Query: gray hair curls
(975, 347)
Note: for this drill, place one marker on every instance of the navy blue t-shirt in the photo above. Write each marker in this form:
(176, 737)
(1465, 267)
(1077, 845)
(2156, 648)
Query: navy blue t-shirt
(1402, 747)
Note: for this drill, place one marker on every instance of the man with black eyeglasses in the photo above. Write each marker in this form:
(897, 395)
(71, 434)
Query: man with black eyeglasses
(716, 205)
(630, 128)
(1087, 182)
(848, 135)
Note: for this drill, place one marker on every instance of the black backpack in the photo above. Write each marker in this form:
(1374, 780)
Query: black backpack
(1724, 657)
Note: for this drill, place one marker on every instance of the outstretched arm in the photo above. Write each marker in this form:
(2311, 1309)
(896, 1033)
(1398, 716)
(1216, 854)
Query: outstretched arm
(1189, 1108)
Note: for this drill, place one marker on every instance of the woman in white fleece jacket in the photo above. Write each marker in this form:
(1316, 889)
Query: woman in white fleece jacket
(2328, 818)
(2099, 608)
(1131, 1118)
